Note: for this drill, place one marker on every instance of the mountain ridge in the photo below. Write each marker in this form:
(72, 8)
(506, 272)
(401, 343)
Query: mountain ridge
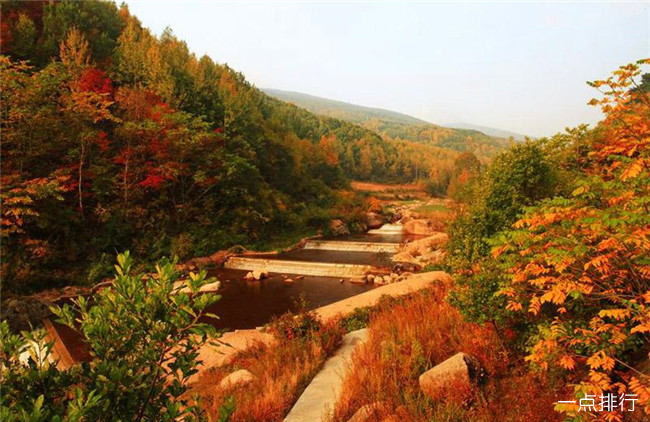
(305, 98)
(397, 126)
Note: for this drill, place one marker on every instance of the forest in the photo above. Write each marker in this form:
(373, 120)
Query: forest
(115, 139)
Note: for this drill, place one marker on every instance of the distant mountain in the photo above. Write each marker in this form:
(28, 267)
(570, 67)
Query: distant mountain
(341, 110)
(499, 133)
(397, 126)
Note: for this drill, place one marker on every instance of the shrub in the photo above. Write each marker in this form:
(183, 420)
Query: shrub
(357, 320)
(143, 336)
(580, 265)
(302, 326)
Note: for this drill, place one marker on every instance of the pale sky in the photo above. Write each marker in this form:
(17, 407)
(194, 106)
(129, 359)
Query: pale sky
(513, 66)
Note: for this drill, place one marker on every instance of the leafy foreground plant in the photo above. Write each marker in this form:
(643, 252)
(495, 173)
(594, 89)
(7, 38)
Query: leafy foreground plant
(143, 334)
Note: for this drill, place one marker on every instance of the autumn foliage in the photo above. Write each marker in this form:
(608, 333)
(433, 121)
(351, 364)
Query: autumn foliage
(580, 265)
(570, 279)
(161, 152)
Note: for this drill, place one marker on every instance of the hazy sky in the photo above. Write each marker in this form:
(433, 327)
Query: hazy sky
(513, 66)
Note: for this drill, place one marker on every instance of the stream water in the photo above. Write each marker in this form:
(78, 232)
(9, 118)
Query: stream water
(250, 303)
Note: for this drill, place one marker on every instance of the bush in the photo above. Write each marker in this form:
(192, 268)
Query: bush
(302, 326)
(357, 320)
(143, 336)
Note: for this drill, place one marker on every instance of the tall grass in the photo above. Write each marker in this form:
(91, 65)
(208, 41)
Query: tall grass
(282, 369)
(409, 336)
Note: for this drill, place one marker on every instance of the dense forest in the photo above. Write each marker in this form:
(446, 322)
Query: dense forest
(116, 139)
(397, 127)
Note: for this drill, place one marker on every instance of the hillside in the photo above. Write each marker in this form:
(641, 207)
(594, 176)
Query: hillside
(398, 126)
(498, 133)
(103, 139)
(342, 110)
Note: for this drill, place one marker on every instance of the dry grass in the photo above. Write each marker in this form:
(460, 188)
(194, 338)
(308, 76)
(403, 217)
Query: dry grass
(416, 333)
(283, 370)
(379, 187)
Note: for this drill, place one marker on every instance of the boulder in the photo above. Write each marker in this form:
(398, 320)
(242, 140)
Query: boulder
(421, 246)
(404, 258)
(207, 288)
(249, 276)
(258, 275)
(219, 258)
(418, 227)
(210, 287)
(237, 379)
(365, 413)
(373, 220)
(338, 228)
(24, 313)
(460, 368)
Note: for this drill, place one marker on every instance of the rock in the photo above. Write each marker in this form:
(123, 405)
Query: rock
(373, 220)
(259, 275)
(418, 227)
(300, 277)
(288, 280)
(219, 258)
(433, 257)
(422, 246)
(387, 279)
(370, 278)
(393, 276)
(237, 379)
(365, 413)
(404, 257)
(338, 228)
(210, 287)
(460, 368)
(342, 280)
(249, 276)
(358, 280)
(23, 313)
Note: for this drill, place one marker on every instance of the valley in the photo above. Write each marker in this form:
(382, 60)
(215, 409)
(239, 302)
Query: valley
(180, 245)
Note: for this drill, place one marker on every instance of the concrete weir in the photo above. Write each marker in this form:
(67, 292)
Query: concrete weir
(297, 267)
(354, 246)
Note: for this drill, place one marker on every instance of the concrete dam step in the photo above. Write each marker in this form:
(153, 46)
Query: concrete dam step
(297, 267)
(355, 246)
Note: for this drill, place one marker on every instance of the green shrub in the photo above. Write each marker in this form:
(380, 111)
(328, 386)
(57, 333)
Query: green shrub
(143, 336)
(357, 320)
